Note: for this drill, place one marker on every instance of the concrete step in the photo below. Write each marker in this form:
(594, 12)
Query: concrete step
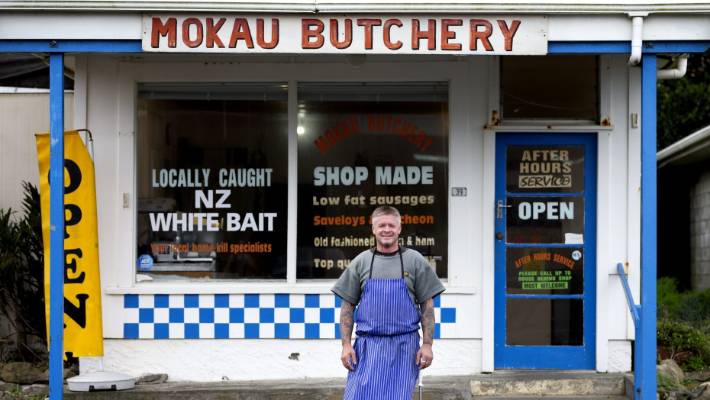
(538, 384)
(497, 386)
(552, 398)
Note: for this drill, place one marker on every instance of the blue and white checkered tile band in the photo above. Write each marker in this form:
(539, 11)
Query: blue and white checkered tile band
(241, 316)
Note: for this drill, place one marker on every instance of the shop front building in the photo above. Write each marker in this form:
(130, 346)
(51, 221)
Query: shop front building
(240, 151)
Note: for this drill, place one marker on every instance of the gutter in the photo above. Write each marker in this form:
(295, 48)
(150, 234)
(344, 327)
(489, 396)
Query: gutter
(684, 147)
(363, 6)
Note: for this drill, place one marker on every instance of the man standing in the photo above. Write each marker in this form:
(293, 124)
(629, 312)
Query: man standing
(386, 283)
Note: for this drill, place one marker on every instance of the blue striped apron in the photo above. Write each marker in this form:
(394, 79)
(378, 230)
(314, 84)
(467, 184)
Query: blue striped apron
(387, 341)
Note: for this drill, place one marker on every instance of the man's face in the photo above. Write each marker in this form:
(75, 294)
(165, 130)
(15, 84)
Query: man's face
(386, 229)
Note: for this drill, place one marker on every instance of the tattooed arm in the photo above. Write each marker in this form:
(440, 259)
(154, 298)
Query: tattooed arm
(425, 355)
(347, 357)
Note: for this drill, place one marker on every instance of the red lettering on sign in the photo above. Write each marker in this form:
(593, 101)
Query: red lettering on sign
(192, 43)
(345, 128)
(386, 31)
(368, 24)
(274, 33)
(446, 34)
(508, 33)
(241, 31)
(169, 30)
(312, 29)
(418, 34)
(483, 35)
(334, 34)
(211, 36)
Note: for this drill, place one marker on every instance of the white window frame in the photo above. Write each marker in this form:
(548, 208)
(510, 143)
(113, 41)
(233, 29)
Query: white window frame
(193, 69)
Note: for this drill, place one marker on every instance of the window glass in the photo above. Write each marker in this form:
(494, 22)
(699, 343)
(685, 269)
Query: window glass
(212, 181)
(550, 87)
(362, 145)
(544, 322)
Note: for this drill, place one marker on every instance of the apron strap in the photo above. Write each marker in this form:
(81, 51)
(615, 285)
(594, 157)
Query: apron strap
(401, 261)
(372, 261)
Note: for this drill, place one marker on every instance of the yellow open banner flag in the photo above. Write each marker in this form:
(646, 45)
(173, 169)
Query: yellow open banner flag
(83, 334)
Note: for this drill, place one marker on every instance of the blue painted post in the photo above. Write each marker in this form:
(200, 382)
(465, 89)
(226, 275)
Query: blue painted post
(56, 222)
(648, 229)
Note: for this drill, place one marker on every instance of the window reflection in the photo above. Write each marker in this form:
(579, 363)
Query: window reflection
(363, 145)
(212, 181)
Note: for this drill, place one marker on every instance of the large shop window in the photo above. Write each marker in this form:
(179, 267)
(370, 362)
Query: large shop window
(212, 181)
(361, 145)
(558, 88)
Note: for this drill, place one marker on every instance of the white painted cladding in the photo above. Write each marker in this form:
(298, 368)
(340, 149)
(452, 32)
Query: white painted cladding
(315, 6)
(21, 116)
(249, 360)
(567, 27)
(106, 92)
(351, 34)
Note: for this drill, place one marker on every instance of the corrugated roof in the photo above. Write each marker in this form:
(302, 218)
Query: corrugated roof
(390, 6)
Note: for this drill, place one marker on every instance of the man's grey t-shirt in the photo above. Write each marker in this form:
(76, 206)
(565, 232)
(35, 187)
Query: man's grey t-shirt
(422, 282)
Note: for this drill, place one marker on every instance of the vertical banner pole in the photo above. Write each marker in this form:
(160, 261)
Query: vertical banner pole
(648, 228)
(56, 235)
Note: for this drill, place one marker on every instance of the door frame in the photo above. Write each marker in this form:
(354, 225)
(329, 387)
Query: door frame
(548, 357)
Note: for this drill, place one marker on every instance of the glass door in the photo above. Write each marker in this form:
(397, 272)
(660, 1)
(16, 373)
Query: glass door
(545, 251)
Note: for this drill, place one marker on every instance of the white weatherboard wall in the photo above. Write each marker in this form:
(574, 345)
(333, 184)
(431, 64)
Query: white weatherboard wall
(106, 101)
(212, 360)
(21, 116)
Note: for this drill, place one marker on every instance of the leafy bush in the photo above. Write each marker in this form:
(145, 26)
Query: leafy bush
(22, 274)
(684, 325)
(668, 299)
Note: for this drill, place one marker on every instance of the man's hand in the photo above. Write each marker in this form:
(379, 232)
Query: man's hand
(425, 356)
(348, 357)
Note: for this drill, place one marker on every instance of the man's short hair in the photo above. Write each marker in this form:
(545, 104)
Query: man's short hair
(386, 210)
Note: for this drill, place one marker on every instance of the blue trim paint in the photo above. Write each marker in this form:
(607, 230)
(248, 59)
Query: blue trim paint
(70, 46)
(56, 221)
(551, 245)
(546, 296)
(588, 47)
(553, 47)
(646, 362)
(657, 47)
(633, 308)
(623, 47)
(227, 316)
(548, 357)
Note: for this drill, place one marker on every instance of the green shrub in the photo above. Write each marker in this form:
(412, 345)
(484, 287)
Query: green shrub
(688, 346)
(22, 273)
(668, 298)
(692, 307)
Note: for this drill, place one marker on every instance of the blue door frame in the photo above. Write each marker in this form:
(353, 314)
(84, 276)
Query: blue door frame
(645, 369)
(558, 356)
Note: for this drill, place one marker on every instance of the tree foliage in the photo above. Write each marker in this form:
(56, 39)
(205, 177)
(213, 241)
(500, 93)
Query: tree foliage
(684, 104)
(22, 273)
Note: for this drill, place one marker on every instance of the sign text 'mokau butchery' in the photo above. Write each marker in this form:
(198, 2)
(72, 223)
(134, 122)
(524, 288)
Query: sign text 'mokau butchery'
(523, 35)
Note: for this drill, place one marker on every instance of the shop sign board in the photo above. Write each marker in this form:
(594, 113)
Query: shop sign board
(354, 34)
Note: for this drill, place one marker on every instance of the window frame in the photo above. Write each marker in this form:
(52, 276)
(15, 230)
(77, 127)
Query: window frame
(123, 275)
(499, 122)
